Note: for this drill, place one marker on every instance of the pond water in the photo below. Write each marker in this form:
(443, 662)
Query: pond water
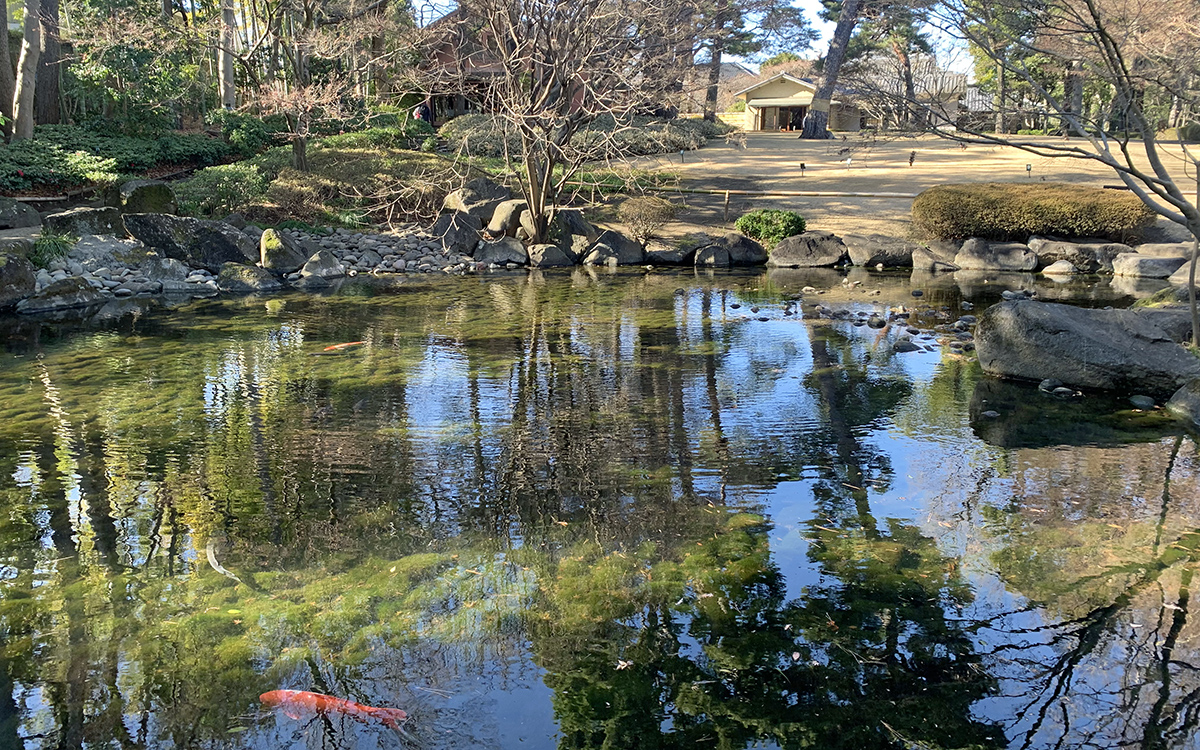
(579, 511)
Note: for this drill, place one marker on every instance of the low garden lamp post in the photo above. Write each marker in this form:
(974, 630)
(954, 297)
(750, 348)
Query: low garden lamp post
(1029, 171)
(801, 169)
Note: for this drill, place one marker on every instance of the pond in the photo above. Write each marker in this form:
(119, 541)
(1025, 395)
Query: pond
(582, 510)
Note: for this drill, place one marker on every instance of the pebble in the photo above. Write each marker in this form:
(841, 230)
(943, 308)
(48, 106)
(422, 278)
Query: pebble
(918, 293)
(1145, 403)
(991, 414)
(967, 306)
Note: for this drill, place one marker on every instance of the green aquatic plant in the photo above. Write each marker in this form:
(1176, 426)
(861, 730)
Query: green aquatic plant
(51, 246)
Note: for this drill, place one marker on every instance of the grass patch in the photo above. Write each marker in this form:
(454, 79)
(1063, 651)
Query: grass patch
(50, 247)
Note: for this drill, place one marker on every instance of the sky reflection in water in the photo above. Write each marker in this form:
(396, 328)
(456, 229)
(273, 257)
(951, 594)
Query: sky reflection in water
(579, 511)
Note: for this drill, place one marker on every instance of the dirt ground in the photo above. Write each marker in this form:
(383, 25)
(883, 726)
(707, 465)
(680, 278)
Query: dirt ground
(771, 162)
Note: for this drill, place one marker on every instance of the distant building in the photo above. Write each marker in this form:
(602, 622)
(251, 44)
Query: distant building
(782, 101)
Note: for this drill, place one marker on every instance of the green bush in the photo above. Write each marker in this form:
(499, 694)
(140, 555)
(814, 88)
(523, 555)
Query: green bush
(50, 247)
(1014, 211)
(221, 190)
(1189, 133)
(246, 134)
(38, 164)
(133, 154)
(769, 226)
(407, 134)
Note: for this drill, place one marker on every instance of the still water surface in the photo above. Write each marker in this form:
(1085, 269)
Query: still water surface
(580, 511)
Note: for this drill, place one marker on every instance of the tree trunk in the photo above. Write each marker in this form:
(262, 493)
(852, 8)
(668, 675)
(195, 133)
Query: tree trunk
(714, 81)
(910, 85)
(46, 100)
(300, 152)
(7, 82)
(31, 50)
(816, 122)
(225, 55)
(1001, 95)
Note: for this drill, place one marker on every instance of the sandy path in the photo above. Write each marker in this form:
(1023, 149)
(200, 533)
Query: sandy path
(771, 161)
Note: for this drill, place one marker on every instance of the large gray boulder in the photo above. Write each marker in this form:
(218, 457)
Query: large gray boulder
(321, 270)
(1164, 249)
(1136, 264)
(16, 215)
(873, 250)
(711, 256)
(983, 255)
(506, 219)
(157, 268)
(740, 250)
(1127, 350)
(143, 197)
(663, 254)
(1180, 277)
(200, 244)
(479, 198)
(84, 220)
(281, 253)
(575, 233)
(548, 256)
(239, 278)
(931, 260)
(62, 295)
(1186, 403)
(18, 278)
(627, 252)
(94, 251)
(1085, 257)
(809, 250)
(458, 231)
(505, 250)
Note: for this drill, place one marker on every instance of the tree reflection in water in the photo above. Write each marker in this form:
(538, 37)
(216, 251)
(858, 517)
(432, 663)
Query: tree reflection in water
(562, 484)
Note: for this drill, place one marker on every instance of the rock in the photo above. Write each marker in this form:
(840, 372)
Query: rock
(142, 197)
(627, 252)
(369, 258)
(905, 345)
(62, 295)
(1136, 264)
(875, 321)
(83, 220)
(1180, 277)
(548, 256)
(504, 250)
(1164, 249)
(1060, 268)
(253, 232)
(458, 232)
(809, 250)
(321, 269)
(982, 255)
(1185, 403)
(281, 254)
(201, 244)
(159, 269)
(95, 251)
(479, 198)
(1133, 350)
(506, 218)
(872, 250)
(712, 256)
(237, 221)
(571, 221)
(17, 215)
(738, 250)
(600, 255)
(661, 254)
(18, 279)
(241, 278)
(1086, 257)
(1145, 403)
(925, 259)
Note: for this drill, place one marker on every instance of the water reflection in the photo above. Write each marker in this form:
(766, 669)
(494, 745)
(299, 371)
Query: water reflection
(578, 511)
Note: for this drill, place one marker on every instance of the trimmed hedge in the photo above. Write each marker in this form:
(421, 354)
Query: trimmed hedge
(770, 225)
(485, 135)
(1014, 211)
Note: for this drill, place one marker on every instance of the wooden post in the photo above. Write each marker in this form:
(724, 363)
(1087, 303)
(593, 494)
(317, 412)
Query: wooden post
(726, 206)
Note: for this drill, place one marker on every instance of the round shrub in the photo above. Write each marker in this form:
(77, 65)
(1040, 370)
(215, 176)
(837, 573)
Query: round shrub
(221, 190)
(769, 225)
(1189, 133)
(1015, 211)
(645, 215)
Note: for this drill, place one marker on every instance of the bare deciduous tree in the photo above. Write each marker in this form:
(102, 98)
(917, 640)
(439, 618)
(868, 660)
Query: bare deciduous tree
(548, 69)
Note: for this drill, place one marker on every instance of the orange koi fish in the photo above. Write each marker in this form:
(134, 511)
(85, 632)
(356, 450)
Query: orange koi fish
(297, 702)
(347, 345)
